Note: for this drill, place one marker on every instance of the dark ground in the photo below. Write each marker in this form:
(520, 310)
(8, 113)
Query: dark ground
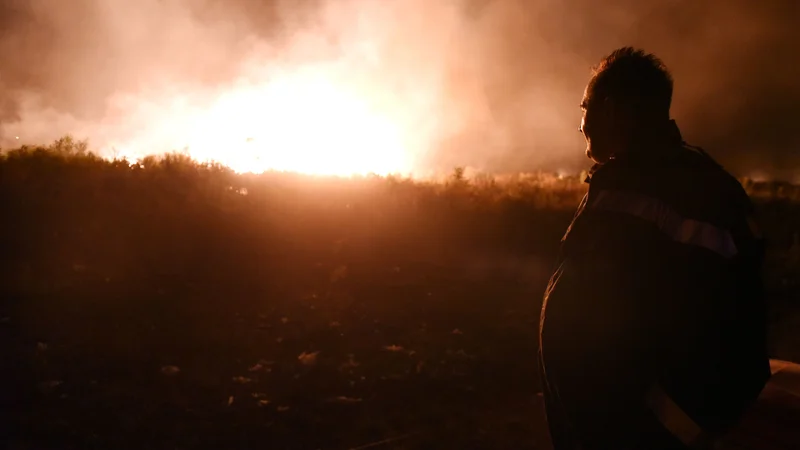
(158, 308)
(394, 358)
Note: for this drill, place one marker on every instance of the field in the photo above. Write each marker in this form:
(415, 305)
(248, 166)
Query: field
(173, 305)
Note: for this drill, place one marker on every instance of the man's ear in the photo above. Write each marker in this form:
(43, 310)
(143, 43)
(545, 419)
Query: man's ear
(618, 114)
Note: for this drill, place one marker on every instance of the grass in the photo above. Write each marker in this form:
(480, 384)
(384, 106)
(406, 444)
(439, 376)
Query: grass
(171, 304)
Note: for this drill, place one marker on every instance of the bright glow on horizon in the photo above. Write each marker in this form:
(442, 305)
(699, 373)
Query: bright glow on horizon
(298, 122)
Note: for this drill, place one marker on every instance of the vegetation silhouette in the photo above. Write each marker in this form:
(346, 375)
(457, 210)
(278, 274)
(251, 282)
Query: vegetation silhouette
(170, 302)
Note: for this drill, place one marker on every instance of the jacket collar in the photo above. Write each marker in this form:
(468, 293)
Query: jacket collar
(671, 140)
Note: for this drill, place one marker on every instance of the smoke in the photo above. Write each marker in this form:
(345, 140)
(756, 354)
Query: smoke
(490, 84)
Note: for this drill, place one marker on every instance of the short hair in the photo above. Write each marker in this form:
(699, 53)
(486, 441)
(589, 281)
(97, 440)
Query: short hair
(633, 78)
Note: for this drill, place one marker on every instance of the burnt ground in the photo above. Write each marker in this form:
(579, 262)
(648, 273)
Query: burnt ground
(433, 359)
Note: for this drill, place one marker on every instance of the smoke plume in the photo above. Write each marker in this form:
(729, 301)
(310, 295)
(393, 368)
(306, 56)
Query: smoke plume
(490, 84)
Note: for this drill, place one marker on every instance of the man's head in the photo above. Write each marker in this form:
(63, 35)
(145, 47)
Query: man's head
(628, 97)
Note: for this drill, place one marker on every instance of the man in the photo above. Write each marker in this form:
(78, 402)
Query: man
(653, 328)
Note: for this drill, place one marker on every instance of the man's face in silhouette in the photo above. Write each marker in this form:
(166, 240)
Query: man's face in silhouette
(594, 127)
(605, 128)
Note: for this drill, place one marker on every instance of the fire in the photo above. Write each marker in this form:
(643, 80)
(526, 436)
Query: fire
(300, 122)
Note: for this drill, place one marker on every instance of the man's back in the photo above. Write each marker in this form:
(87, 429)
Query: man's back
(658, 285)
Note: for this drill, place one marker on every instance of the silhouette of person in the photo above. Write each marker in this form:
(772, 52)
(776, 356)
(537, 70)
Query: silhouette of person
(653, 327)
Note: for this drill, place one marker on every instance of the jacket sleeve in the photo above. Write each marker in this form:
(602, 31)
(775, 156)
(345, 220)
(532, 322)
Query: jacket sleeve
(625, 279)
(615, 277)
(744, 356)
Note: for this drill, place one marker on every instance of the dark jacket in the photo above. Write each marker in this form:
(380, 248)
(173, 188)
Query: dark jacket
(657, 288)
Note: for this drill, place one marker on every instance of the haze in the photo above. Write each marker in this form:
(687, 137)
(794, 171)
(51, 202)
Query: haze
(389, 85)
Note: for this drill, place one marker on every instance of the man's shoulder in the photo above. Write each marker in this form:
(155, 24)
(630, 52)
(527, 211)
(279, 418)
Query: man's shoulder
(682, 164)
(724, 185)
(688, 181)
